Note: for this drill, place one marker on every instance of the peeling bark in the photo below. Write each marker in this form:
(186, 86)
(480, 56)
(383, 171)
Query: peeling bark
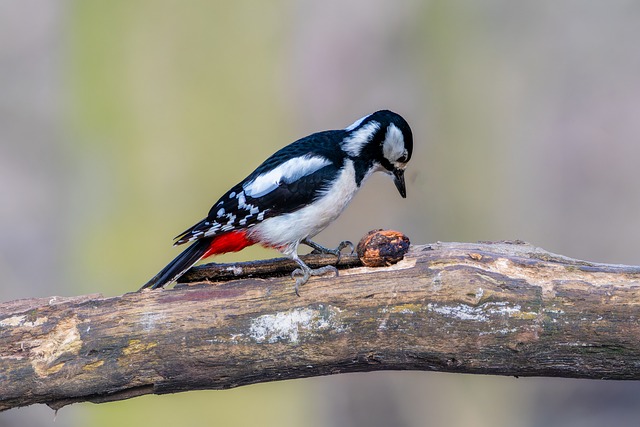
(486, 308)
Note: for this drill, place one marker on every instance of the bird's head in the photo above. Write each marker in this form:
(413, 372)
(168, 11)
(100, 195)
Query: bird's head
(384, 141)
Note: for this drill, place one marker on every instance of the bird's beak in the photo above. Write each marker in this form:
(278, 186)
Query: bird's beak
(398, 179)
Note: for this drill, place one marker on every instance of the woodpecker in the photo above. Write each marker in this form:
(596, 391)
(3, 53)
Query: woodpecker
(296, 193)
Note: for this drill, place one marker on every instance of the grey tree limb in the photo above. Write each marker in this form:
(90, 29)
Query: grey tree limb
(486, 308)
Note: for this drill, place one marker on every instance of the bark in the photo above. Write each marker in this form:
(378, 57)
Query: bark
(488, 308)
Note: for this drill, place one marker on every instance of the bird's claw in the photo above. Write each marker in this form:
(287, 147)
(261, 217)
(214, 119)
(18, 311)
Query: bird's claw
(338, 250)
(345, 244)
(306, 274)
(300, 280)
(319, 249)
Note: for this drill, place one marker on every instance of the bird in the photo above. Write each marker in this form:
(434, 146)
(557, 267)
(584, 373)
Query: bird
(296, 193)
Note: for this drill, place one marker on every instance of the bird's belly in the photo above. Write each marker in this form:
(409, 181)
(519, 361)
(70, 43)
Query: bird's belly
(287, 230)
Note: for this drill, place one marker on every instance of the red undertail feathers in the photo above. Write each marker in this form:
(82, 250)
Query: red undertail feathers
(202, 248)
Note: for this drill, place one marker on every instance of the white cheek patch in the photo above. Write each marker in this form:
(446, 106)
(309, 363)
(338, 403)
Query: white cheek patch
(353, 144)
(393, 145)
(287, 172)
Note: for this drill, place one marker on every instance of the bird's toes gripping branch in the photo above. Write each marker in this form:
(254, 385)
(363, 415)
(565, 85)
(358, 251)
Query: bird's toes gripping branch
(337, 251)
(306, 272)
(345, 244)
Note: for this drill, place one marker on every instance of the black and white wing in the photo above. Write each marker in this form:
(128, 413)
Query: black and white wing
(289, 180)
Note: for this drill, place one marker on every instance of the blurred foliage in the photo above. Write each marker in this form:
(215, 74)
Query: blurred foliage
(165, 99)
(170, 106)
(257, 405)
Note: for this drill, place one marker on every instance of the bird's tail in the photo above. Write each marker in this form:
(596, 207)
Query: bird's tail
(180, 264)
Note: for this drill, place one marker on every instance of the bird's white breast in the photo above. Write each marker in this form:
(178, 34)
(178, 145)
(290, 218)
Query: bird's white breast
(287, 230)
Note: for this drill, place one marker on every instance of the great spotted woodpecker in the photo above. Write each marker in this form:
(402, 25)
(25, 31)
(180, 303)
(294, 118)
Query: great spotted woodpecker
(296, 193)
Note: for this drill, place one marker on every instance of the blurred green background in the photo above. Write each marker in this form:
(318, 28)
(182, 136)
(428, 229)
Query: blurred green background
(121, 122)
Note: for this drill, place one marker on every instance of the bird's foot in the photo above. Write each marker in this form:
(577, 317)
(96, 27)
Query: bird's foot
(306, 273)
(319, 249)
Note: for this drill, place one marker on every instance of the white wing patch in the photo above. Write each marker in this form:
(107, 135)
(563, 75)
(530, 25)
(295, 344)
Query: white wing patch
(287, 172)
(287, 230)
(354, 143)
(393, 145)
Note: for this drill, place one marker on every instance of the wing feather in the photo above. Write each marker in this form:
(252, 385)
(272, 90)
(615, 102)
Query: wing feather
(289, 180)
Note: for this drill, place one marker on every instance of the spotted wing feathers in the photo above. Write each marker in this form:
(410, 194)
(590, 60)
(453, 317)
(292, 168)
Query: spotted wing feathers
(284, 188)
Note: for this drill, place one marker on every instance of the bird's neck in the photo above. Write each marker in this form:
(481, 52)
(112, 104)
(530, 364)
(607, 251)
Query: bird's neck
(363, 169)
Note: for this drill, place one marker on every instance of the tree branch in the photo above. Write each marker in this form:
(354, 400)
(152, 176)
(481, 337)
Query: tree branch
(486, 308)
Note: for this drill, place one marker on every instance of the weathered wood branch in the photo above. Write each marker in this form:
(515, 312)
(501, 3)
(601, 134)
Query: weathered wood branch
(486, 308)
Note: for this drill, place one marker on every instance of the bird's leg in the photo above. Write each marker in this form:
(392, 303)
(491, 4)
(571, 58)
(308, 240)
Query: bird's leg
(306, 272)
(321, 249)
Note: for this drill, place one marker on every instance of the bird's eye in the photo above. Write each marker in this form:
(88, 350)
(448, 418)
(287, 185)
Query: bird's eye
(404, 158)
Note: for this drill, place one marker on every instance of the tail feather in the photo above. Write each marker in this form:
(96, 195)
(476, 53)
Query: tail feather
(180, 264)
